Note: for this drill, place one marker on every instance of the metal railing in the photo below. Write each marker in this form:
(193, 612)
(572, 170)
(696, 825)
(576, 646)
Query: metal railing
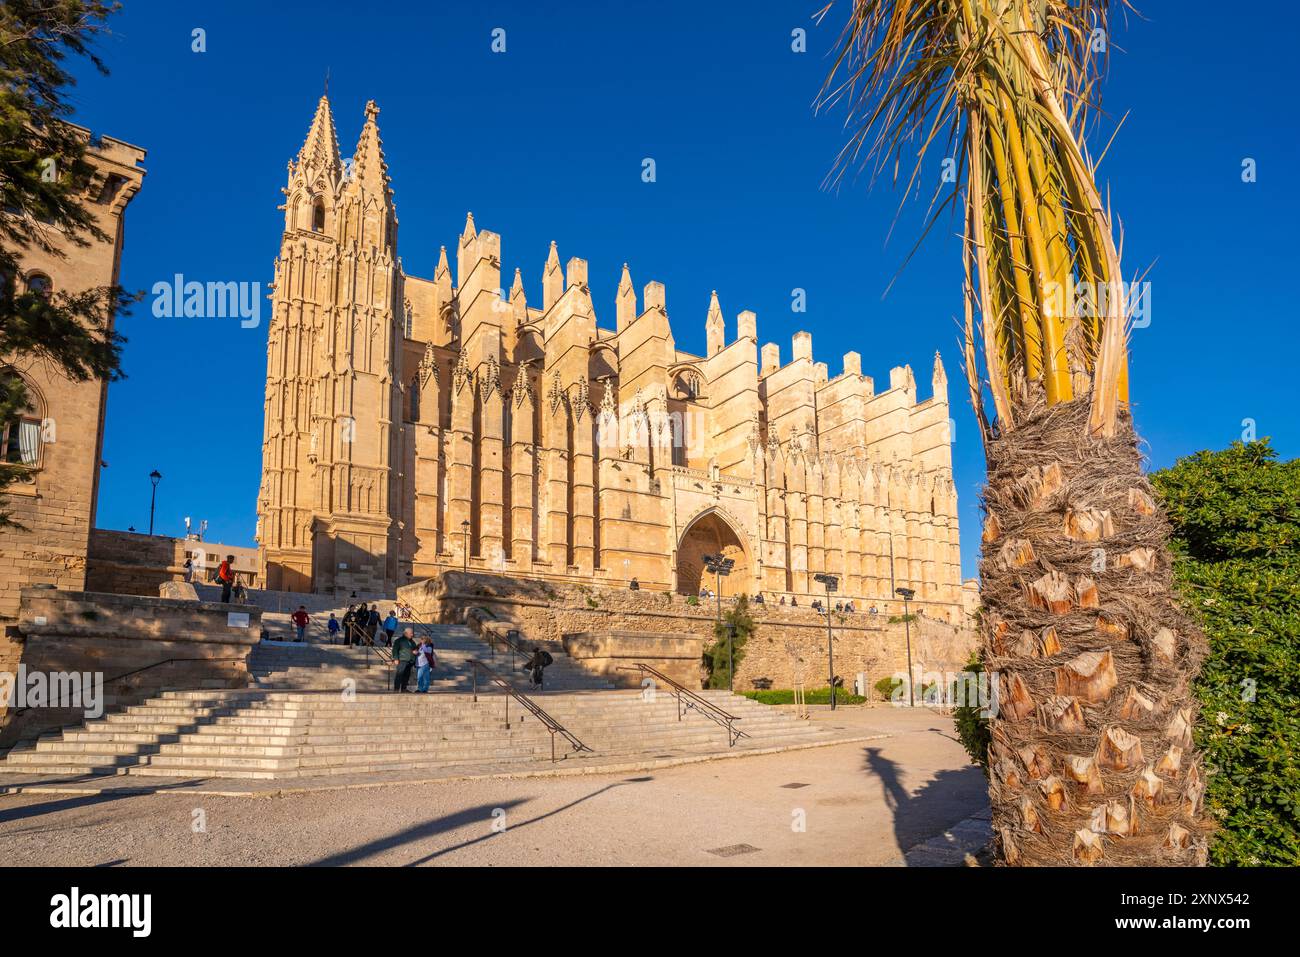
(551, 725)
(688, 700)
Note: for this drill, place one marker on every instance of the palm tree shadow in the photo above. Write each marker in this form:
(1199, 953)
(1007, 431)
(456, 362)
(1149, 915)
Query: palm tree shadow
(948, 797)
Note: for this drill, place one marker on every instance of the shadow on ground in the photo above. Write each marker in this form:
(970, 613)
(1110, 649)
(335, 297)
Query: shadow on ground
(483, 815)
(926, 815)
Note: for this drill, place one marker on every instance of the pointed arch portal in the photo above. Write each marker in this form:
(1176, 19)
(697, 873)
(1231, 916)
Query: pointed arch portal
(711, 534)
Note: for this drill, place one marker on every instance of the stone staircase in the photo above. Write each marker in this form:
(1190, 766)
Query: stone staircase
(324, 667)
(277, 607)
(315, 708)
(257, 733)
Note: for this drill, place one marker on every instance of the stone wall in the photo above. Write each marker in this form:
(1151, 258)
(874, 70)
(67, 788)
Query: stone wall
(612, 654)
(787, 640)
(53, 500)
(111, 635)
(129, 563)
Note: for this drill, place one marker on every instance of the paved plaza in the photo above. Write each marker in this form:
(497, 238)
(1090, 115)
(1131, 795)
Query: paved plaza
(867, 802)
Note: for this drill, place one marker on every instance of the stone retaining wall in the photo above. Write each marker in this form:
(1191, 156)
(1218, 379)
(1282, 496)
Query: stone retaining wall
(111, 635)
(787, 640)
(129, 563)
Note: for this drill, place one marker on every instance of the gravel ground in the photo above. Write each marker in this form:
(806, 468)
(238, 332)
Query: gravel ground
(862, 803)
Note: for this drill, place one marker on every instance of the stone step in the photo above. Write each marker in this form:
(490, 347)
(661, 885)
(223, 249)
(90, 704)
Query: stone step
(263, 733)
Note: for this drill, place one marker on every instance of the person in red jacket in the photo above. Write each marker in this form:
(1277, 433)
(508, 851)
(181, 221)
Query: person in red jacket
(300, 619)
(226, 577)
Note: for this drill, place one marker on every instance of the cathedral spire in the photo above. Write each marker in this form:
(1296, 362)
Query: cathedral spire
(714, 327)
(939, 379)
(552, 278)
(369, 170)
(320, 151)
(625, 301)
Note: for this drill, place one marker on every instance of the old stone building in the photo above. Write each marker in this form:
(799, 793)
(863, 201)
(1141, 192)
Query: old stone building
(417, 425)
(59, 440)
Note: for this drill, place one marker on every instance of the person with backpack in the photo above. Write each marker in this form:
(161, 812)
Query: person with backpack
(536, 665)
(226, 578)
(404, 659)
(300, 619)
(425, 662)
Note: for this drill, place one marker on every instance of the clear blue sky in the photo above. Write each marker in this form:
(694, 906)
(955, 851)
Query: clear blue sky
(546, 142)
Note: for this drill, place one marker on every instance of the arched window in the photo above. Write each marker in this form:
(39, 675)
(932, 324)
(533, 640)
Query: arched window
(414, 389)
(40, 284)
(318, 216)
(21, 433)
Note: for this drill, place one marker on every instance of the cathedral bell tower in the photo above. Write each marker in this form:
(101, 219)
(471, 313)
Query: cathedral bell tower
(327, 508)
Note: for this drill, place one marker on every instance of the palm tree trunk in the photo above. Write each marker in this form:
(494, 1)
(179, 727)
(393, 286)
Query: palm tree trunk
(1092, 759)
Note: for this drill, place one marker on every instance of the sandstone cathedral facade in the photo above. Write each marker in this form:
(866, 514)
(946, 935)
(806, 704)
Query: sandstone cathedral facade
(419, 425)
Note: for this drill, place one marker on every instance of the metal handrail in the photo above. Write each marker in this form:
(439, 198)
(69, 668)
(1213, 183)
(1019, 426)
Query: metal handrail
(529, 705)
(688, 700)
(136, 671)
(517, 650)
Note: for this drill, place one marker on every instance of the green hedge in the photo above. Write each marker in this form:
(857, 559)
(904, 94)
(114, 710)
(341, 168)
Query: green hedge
(811, 696)
(1236, 517)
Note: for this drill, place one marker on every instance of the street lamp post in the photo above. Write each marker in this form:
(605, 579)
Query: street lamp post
(722, 566)
(464, 529)
(832, 584)
(154, 478)
(908, 594)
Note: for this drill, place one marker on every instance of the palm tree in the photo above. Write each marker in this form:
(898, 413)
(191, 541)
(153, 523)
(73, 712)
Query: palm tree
(1092, 759)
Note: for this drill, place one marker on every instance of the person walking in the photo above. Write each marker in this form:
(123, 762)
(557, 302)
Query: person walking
(332, 626)
(240, 593)
(372, 624)
(536, 665)
(390, 626)
(404, 659)
(226, 578)
(348, 617)
(425, 662)
(300, 619)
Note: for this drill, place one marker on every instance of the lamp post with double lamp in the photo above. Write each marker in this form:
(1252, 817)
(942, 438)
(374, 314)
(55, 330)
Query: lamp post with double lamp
(832, 585)
(908, 594)
(720, 566)
(464, 529)
(154, 478)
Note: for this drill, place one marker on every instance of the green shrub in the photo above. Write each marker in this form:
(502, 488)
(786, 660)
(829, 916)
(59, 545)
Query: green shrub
(1236, 519)
(811, 696)
(717, 658)
(885, 688)
(972, 725)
